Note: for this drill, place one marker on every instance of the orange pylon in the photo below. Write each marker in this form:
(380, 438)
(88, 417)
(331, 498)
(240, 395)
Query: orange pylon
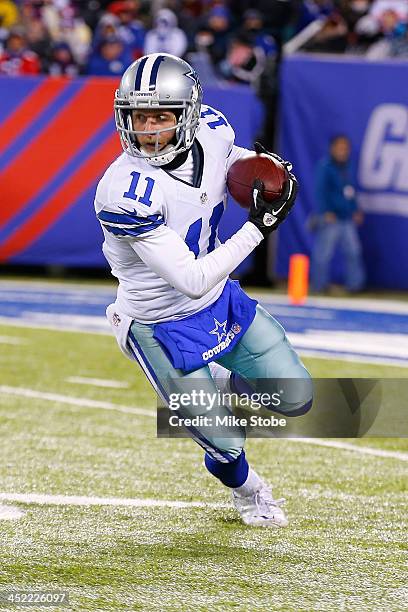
(298, 282)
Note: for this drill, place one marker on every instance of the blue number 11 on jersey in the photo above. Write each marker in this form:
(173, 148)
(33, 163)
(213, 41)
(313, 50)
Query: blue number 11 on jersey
(131, 193)
(194, 231)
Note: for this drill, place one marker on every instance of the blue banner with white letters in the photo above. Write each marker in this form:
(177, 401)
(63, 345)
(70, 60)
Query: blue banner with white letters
(368, 102)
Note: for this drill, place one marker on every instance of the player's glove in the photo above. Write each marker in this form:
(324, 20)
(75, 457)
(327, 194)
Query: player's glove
(278, 210)
(267, 216)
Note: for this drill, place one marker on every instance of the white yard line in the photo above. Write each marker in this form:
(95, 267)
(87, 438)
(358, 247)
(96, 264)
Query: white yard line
(346, 446)
(10, 513)
(87, 403)
(82, 500)
(12, 340)
(73, 401)
(97, 382)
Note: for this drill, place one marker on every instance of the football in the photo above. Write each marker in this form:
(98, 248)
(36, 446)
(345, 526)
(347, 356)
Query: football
(243, 172)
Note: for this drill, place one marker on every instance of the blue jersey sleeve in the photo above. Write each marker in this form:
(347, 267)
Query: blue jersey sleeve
(128, 222)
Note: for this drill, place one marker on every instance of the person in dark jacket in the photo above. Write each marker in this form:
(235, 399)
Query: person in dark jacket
(338, 218)
(110, 58)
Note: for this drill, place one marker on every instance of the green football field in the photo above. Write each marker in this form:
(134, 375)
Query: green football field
(125, 521)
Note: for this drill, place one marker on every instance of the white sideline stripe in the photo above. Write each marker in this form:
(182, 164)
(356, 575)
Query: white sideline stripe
(52, 297)
(104, 331)
(82, 500)
(74, 401)
(97, 382)
(10, 513)
(16, 322)
(360, 304)
(352, 357)
(364, 450)
(108, 293)
(63, 286)
(300, 312)
(66, 399)
(67, 320)
(363, 343)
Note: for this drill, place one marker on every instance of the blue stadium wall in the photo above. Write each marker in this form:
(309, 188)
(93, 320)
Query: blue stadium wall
(321, 97)
(57, 137)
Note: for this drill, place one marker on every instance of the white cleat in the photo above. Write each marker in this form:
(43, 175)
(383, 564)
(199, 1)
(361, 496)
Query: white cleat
(260, 509)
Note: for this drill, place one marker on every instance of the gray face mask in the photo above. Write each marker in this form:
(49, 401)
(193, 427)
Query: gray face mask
(158, 82)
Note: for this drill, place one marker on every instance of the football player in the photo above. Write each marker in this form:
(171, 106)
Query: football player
(177, 313)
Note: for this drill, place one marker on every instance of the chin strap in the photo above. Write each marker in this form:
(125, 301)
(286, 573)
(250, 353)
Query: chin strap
(177, 161)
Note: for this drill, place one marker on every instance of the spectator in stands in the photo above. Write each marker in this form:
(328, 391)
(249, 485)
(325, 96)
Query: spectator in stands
(277, 14)
(111, 58)
(30, 10)
(352, 11)
(65, 24)
(311, 10)
(333, 35)
(338, 218)
(39, 41)
(17, 59)
(379, 7)
(244, 62)
(131, 30)
(9, 15)
(253, 28)
(399, 46)
(393, 30)
(166, 37)
(107, 27)
(62, 61)
(190, 13)
(377, 29)
(213, 36)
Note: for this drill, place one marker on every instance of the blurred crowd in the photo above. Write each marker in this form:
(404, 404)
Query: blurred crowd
(375, 29)
(235, 40)
(70, 37)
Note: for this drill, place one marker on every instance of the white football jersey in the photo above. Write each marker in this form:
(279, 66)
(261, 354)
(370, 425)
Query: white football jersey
(161, 231)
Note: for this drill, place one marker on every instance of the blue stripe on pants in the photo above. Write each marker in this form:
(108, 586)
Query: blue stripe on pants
(167, 373)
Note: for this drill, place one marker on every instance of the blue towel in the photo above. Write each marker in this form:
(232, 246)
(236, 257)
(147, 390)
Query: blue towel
(194, 341)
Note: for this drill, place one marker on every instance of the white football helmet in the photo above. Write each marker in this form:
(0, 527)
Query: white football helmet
(165, 82)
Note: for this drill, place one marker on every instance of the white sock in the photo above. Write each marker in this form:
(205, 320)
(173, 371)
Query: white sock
(221, 377)
(252, 484)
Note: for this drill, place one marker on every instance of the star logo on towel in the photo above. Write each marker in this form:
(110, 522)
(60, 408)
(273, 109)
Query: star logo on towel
(216, 331)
